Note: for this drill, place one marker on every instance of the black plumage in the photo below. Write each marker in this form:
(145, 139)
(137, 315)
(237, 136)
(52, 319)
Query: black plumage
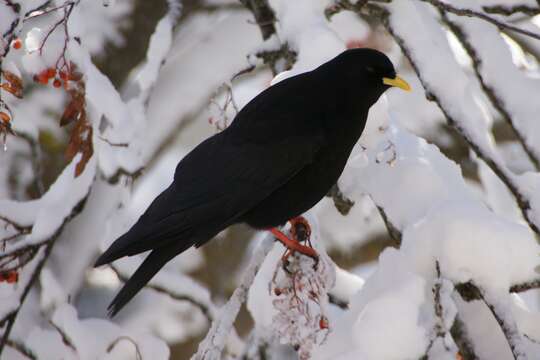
(278, 158)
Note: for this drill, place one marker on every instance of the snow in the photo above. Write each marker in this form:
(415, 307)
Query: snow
(160, 43)
(383, 322)
(510, 251)
(86, 345)
(47, 214)
(454, 227)
(506, 80)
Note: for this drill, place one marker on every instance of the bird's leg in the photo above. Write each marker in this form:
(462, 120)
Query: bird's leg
(294, 245)
(300, 231)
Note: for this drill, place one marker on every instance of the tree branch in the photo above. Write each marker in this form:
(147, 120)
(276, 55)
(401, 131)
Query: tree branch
(21, 348)
(462, 339)
(443, 6)
(496, 99)
(212, 345)
(508, 325)
(12, 316)
(504, 9)
(433, 95)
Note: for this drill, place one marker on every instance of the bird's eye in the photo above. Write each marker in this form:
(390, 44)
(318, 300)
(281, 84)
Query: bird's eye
(370, 69)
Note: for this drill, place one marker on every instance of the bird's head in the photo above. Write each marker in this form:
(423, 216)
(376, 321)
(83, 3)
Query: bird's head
(364, 69)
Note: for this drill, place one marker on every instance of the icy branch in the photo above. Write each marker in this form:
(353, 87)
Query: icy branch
(212, 345)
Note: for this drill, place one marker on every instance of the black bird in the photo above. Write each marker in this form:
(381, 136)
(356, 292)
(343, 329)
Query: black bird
(281, 154)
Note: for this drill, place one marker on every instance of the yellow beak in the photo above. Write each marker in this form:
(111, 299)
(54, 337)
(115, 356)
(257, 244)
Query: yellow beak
(397, 82)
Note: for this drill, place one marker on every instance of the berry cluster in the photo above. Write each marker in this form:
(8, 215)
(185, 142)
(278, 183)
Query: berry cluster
(61, 77)
(11, 277)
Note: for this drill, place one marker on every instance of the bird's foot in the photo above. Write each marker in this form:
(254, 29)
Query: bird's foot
(293, 244)
(300, 232)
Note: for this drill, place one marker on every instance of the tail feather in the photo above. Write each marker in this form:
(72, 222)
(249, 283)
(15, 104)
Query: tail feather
(150, 266)
(142, 237)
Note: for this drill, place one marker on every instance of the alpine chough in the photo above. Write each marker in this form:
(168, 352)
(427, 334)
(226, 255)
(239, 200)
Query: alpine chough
(281, 154)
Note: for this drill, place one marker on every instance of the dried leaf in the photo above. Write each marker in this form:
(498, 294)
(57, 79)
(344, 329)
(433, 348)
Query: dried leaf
(13, 85)
(74, 108)
(81, 142)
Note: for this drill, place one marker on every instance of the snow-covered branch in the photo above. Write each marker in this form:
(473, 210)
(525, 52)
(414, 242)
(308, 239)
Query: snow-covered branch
(214, 342)
(446, 7)
(495, 86)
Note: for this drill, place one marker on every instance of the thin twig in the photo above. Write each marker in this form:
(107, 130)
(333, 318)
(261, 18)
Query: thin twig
(126, 338)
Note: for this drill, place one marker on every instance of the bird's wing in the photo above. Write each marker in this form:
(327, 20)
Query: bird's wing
(222, 178)
(228, 177)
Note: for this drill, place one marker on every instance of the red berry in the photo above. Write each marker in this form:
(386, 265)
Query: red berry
(51, 73)
(63, 75)
(57, 83)
(17, 44)
(10, 277)
(323, 323)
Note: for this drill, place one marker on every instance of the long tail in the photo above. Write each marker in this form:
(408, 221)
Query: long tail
(150, 266)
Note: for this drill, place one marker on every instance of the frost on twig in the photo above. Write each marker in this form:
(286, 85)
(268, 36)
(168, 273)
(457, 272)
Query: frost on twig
(289, 298)
(299, 292)
(214, 342)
